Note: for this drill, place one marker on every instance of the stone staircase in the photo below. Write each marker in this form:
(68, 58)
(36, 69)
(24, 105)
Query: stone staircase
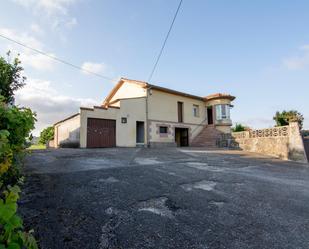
(208, 137)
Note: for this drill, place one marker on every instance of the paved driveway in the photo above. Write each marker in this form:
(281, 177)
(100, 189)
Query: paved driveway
(165, 198)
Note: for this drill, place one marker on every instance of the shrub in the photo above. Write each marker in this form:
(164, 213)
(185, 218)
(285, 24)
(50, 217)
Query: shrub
(238, 127)
(46, 135)
(11, 78)
(15, 127)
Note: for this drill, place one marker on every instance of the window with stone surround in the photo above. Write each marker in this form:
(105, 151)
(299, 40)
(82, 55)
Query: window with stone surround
(163, 129)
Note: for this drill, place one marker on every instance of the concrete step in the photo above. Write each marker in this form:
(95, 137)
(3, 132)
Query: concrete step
(206, 138)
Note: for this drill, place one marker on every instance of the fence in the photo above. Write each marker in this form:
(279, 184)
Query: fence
(284, 142)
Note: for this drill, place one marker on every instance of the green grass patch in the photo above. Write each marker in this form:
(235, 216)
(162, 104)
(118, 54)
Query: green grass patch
(37, 147)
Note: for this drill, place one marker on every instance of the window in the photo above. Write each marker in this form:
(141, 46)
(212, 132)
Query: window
(180, 111)
(163, 130)
(222, 112)
(196, 111)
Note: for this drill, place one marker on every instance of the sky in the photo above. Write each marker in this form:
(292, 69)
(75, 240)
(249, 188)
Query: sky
(257, 51)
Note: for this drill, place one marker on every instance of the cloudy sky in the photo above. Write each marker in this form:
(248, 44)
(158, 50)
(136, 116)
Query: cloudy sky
(255, 50)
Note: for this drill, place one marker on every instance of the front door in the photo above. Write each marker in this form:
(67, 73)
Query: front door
(182, 137)
(210, 115)
(140, 132)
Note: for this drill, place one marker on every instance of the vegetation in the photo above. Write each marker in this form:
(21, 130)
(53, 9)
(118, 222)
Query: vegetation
(11, 78)
(46, 135)
(37, 147)
(238, 127)
(15, 127)
(285, 117)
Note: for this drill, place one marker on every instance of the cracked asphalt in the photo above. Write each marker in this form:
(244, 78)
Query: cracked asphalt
(123, 198)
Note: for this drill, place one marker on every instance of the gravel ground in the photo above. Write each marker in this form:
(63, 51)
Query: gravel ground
(165, 198)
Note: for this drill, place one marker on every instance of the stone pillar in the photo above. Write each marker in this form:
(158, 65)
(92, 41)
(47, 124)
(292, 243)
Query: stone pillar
(296, 145)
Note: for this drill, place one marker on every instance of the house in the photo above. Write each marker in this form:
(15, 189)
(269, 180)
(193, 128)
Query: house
(136, 113)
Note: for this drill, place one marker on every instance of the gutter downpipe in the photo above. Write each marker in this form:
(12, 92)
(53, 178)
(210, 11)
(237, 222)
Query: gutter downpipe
(147, 122)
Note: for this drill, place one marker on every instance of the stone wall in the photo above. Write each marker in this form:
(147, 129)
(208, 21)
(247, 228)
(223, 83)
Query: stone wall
(284, 142)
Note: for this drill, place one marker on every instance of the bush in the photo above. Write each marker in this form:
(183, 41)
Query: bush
(238, 127)
(46, 135)
(11, 78)
(15, 127)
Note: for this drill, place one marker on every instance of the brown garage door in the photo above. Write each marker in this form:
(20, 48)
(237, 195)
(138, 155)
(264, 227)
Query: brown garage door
(101, 133)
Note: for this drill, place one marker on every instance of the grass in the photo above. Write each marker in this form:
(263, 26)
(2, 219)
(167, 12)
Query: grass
(37, 147)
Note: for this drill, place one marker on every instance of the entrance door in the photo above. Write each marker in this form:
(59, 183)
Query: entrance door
(210, 115)
(101, 133)
(182, 137)
(140, 132)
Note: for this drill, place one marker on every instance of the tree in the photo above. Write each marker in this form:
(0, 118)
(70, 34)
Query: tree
(285, 117)
(15, 126)
(11, 78)
(238, 127)
(46, 135)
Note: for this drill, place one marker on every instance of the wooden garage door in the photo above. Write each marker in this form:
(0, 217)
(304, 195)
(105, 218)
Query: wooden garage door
(101, 133)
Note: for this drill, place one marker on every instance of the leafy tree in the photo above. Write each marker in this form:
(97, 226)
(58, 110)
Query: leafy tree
(11, 78)
(238, 127)
(46, 135)
(285, 117)
(15, 127)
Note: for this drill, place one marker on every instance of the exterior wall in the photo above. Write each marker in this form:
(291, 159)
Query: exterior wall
(116, 104)
(162, 109)
(67, 131)
(224, 128)
(284, 142)
(132, 109)
(222, 125)
(163, 106)
(156, 137)
(129, 90)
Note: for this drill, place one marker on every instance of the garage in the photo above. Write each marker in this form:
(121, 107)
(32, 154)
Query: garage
(101, 133)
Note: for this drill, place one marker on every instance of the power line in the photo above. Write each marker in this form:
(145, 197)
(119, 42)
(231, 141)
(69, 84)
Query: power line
(166, 38)
(56, 59)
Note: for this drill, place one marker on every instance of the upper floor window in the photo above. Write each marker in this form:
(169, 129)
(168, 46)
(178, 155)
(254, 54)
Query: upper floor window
(180, 111)
(222, 112)
(196, 111)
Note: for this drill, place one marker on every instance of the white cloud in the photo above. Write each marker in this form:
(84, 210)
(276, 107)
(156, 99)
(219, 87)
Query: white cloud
(50, 7)
(93, 67)
(35, 28)
(300, 61)
(27, 56)
(55, 11)
(48, 103)
(71, 23)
